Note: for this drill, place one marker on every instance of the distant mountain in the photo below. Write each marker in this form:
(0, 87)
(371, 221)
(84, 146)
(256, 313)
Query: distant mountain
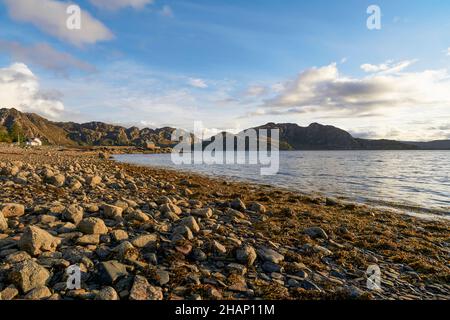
(292, 136)
(320, 137)
(34, 126)
(432, 145)
(90, 134)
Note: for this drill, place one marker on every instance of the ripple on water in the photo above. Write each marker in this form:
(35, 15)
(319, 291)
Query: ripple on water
(412, 181)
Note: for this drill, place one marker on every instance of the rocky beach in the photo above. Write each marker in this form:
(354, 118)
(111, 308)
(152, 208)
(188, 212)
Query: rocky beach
(140, 233)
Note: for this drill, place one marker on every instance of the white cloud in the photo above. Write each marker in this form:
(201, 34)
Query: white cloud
(325, 89)
(387, 67)
(198, 83)
(119, 4)
(166, 11)
(19, 88)
(255, 91)
(50, 16)
(448, 52)
(45, 56)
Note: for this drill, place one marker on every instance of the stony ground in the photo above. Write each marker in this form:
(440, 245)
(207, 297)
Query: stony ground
(143, 234)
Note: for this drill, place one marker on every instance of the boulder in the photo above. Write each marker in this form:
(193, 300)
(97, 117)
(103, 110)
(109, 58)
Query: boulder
(11, 210)
(237, 204)
(271, 255)
(28, 275)
(93, 180)
(57, 180)
(112, 212)
(35, 240)
(191, 223)
(106, 294)
(142, 290)
(144, 240)
(110, 271)
(93, 226)
(73, 213)
(246, 255)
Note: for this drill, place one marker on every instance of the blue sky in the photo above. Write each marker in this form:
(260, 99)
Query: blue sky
(232, 64)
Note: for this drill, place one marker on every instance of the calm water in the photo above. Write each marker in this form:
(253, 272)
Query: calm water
(413, 181)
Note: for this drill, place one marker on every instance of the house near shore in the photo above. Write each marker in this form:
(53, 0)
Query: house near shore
(36, 142)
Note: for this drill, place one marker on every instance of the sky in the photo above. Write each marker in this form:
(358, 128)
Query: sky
(231, 64)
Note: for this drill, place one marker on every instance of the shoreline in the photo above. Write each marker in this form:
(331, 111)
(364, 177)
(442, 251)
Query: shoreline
(389, 207)
(190, 237)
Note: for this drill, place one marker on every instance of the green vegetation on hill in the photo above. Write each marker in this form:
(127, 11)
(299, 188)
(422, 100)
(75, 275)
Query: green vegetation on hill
(14, 134)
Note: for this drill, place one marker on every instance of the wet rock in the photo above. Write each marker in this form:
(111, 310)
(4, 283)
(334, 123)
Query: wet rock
(28, 275)
(107, 293)
(142, 290)
(73, 213)
(35, 240)
(110, 271)
(93, 226)
(316, 232)
(10, 210)
(246, 255)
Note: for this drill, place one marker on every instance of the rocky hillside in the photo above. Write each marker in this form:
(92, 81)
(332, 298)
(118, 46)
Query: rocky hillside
(320, 137)
(70, 133)
(32, 125)
(292, 136)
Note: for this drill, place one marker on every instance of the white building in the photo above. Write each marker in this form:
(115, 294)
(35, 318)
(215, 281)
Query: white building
(36, 142)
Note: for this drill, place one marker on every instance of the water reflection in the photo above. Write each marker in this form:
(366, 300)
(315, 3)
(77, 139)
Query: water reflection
(407, 178)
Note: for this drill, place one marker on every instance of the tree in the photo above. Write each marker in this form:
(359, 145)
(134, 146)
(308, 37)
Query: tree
(4, 135)
(16, 133)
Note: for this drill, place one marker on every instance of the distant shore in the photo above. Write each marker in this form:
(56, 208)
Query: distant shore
(188, 236)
